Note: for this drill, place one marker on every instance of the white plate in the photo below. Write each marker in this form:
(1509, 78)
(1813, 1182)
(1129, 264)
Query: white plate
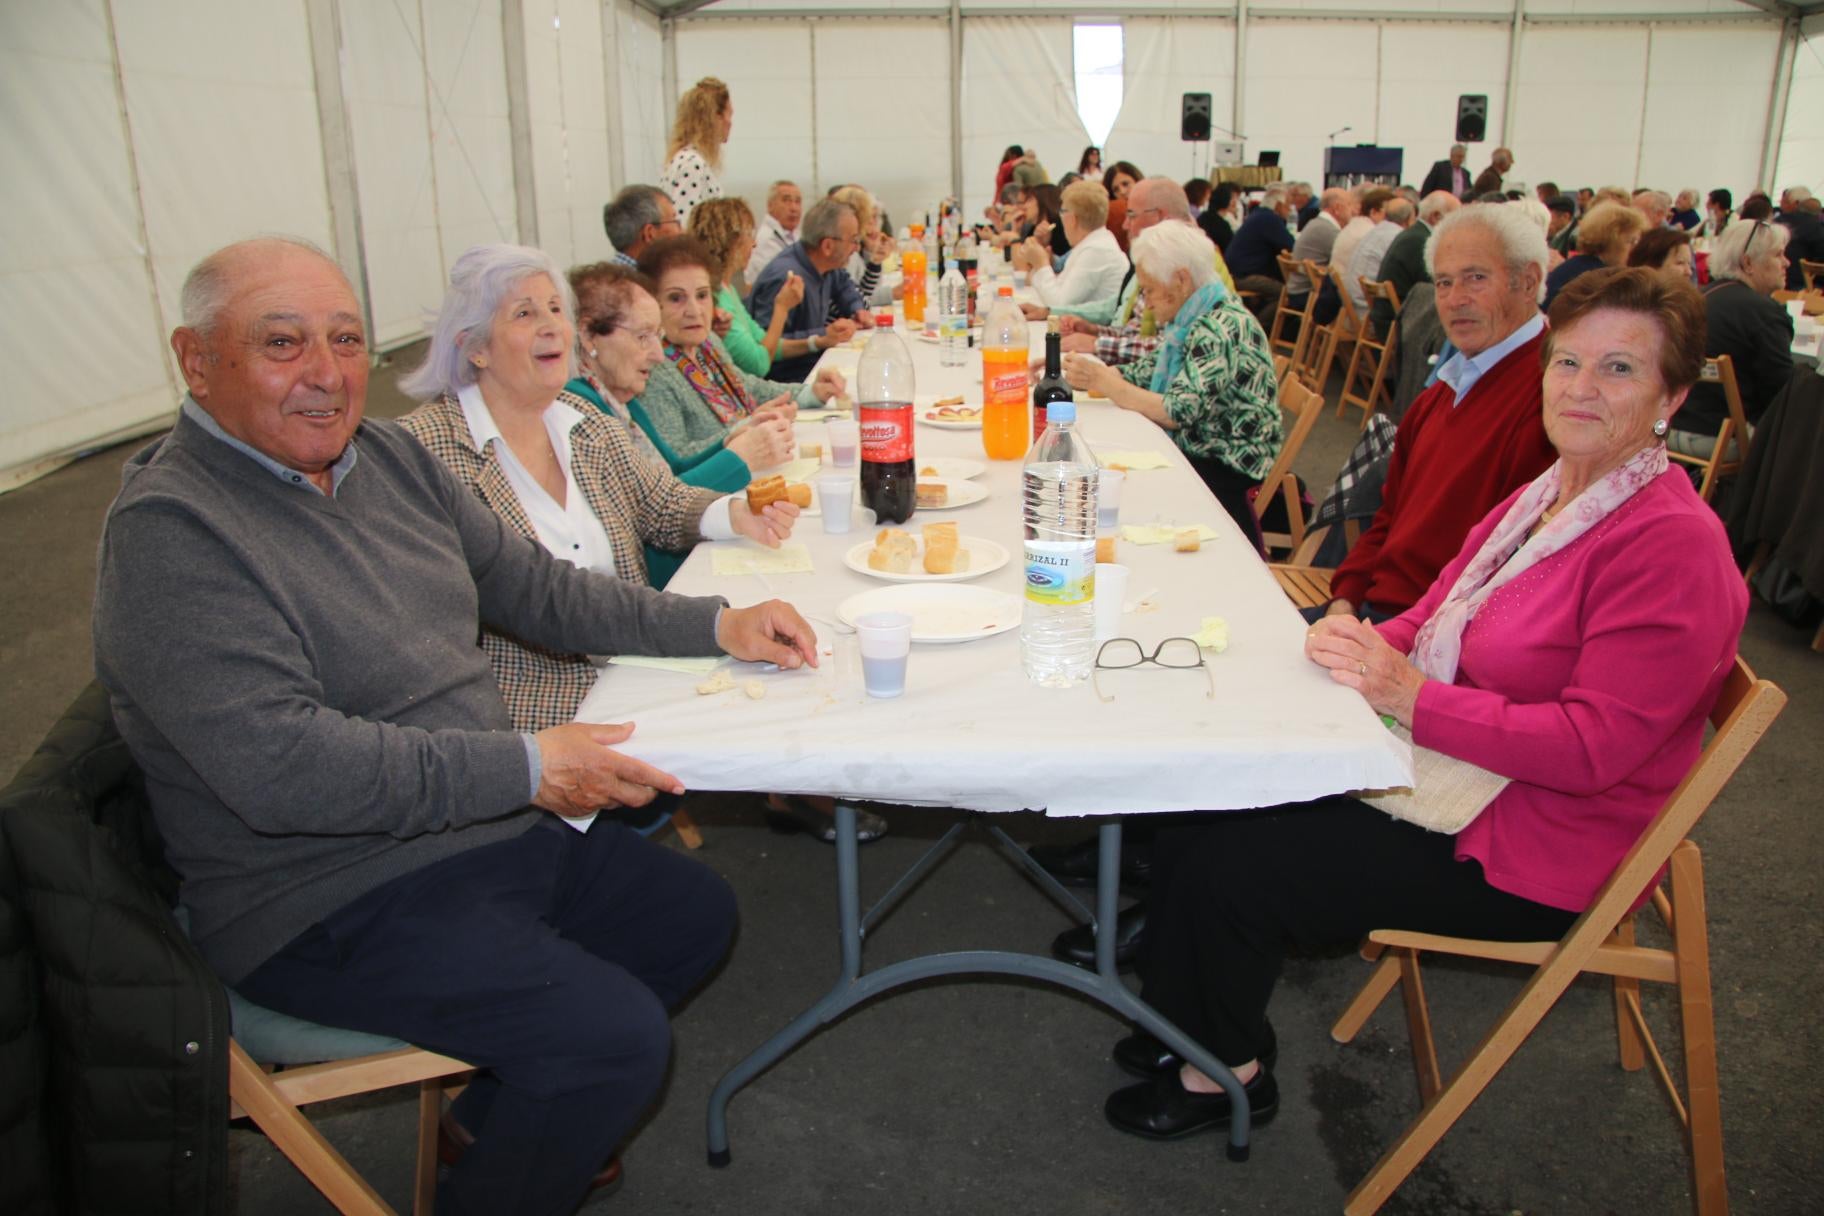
(984, 556)
(961, 493)
(951, 468)
(940, 614)
(950, 424)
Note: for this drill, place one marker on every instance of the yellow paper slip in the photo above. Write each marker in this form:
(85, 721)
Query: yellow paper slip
(746, 558)
(1159, 534)
(689, 667)
(1213, 635)
(1133, 461)
(802, 469)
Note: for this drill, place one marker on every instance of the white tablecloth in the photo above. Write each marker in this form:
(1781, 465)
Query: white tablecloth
(971, 730)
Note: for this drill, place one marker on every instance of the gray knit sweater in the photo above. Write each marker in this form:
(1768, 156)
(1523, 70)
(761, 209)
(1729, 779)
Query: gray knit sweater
(300, 679)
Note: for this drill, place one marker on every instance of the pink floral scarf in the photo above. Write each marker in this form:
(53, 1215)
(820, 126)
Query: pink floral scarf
(719, 384)
(1508, 552)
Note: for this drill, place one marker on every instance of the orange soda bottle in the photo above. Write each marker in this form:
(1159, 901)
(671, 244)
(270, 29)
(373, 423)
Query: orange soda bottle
(912, 264)
(1006, 352)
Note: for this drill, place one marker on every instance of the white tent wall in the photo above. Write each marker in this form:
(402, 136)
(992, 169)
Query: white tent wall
(1018, 88)
(1801, 153)
(883, 112)
(73, 268)
(767, 67)
(569, 117)
(645, 112)
(1163, 59)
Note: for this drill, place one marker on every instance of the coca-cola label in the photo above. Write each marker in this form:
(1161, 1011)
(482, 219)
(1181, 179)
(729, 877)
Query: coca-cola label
(886, 433)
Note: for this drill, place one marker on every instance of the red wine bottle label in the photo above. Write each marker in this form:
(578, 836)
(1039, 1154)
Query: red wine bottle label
(886, 433)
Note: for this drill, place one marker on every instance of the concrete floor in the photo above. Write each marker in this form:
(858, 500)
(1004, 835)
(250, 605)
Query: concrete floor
(985, 1096)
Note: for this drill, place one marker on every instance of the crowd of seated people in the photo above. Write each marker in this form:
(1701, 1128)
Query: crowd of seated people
(580, 430)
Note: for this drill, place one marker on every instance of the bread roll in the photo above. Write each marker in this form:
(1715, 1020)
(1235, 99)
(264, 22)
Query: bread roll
(893, 551)
(1105, 549)
(798, 494)
(932, 493)
(1188, 541)
(766, 491)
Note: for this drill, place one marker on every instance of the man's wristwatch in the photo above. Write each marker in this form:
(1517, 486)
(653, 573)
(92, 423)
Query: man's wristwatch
(812, 343)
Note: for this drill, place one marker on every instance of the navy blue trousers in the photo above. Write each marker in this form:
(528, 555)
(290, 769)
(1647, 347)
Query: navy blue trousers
(550, 961)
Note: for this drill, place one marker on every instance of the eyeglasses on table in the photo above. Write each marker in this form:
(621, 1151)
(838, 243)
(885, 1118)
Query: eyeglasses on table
(1122, 654)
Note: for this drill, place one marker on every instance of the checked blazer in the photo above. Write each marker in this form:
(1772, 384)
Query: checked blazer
(636, 502)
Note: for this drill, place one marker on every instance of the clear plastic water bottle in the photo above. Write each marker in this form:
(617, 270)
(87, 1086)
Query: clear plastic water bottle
(1057, 630)
(953, 316)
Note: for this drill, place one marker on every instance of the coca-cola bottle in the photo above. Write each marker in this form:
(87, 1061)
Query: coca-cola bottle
(883, 392)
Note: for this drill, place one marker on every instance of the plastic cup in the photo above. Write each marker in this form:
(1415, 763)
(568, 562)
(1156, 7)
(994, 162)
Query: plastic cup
(1111, 589)
(1795, 309)
(886, 643)
(844, 435)
(836, 497)
(1108, 497)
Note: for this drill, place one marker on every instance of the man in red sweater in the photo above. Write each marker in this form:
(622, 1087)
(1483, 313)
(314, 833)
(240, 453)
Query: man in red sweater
(1476, 434)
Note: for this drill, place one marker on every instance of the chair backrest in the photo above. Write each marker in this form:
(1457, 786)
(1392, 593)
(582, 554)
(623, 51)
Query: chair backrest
(1744, 709)
(1721, 370)
(1297, 399)
(1810, 273)
(1381, 290)
(1348, 319)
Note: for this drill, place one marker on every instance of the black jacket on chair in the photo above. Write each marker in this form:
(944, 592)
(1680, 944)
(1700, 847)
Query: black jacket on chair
(113, 1031)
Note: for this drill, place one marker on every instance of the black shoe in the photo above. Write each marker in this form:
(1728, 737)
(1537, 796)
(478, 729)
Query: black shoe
(1078, 945)
(1075, 865)
(1142, 1055)
(1163, 1109)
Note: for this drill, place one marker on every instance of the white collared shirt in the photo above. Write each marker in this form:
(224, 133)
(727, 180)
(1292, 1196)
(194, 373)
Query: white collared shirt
(568, 529)
(770, 239)
(1462, 371)
(1093, 271)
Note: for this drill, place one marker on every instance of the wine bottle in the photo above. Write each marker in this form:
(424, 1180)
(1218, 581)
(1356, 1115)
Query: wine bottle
(1052, 386)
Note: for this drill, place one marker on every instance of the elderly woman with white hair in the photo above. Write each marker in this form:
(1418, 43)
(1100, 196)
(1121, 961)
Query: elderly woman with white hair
(1210, 381)
(1096, 266)
(569, 478)
(1747, 265)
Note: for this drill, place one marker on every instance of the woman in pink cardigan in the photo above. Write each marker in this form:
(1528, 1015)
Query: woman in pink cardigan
(1575, 646)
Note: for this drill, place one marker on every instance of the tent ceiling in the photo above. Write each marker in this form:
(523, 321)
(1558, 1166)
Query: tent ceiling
(681, 8)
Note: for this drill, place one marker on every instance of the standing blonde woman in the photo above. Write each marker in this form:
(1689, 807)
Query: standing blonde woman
(726, 228)
(692, 174)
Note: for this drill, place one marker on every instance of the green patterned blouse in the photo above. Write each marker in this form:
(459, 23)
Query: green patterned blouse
(1225, 398)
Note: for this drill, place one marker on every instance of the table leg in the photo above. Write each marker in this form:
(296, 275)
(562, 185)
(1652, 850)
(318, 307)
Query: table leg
(852, 988)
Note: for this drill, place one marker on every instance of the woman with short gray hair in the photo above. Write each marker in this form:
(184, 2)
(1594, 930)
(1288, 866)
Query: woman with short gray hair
(560, 472)
(1210, 382)
(1742, 320)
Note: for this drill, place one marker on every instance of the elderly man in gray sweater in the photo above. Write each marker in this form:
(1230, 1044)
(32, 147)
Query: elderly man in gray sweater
(286, 620)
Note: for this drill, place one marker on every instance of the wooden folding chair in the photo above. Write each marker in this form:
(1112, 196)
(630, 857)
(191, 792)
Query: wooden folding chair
(273, 1101)
(1296, 399)
(1281, 365)
(1306, 585)
(1276, 339)
(1811, 273)
(1731, 450)
(1346, 330)
(1601, 942)
(1365, 383)
(1312, 341)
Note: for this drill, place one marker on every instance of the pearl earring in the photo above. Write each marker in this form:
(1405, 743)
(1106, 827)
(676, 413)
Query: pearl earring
(1661, 427)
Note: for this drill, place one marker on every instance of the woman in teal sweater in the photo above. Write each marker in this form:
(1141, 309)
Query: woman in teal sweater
(618, 345)
(726, 228)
